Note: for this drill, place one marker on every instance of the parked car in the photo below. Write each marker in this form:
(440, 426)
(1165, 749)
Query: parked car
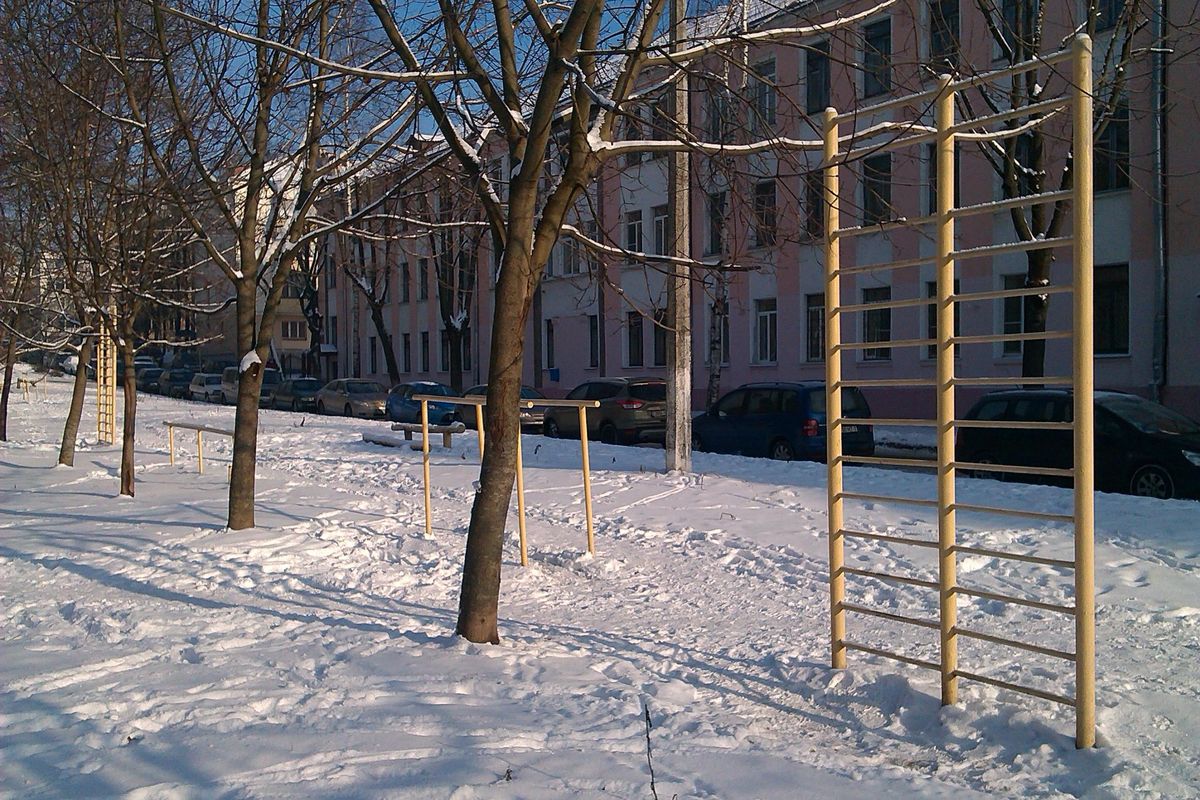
(205, 386)
(231, 376)
(175, 382)
(632, 410)
(297, 394)
(1141, 447)
(147, 379)
(143, 362)
(784, 421)
(352, 397)
(531, 418)
(402, 408)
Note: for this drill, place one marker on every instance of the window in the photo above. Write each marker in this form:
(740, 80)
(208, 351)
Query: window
(662, 230)
(633, 231)
(932, 171)
(293, 287)
(765, 331)
(424, 351)
(332, 338)
(764, 213)
(293, 329)
(466, 347)
(406, 350)
(548, 345)
(732, 404)
(633, 133)
(877, 324)
(1019, 17)
(373, 350)
(405, 282)
(877, 58)
(660, 337)
(717, 116)
(569, 255)
(633, 336)
(1111, 298)
(716, 223)
(1108, 13)
(593, 341)
(1112, 152)
(762, 96)
(423, 279)
(877, 188)
(661, 114)
(814, 323)
(444, 351)
(814, 204)
(816, 77)
(943, 34)
(931, 329)
(1013, 314)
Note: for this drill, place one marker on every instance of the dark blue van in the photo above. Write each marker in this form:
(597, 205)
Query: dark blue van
(785, 421)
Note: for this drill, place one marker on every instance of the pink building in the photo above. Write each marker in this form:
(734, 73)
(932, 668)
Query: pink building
(595, 316)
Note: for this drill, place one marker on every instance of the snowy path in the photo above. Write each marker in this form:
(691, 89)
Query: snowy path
(147, 652)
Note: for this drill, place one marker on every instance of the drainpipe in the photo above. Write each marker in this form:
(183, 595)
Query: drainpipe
(1158, 205)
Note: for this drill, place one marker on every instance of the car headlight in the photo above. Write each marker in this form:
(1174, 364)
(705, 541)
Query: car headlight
(1192, 457)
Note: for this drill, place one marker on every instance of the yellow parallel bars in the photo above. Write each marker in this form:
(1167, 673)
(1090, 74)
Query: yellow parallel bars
(1082, 355)
(947, 599)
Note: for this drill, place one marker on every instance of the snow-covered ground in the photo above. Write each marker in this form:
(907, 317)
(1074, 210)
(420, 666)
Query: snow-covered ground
(147, 652)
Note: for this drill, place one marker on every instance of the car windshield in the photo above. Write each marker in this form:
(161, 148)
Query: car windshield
(307, 384)
(364, 387)
(433, 388)
(270, 378)
(530, 393)
(1150, 417)
(648, 391)
(213, 379)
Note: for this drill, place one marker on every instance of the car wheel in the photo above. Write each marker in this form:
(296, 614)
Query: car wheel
(321, 408)
(348, 411)
(1152, 481)
(697, 442)
(608, 434)
(781, 450)
(295, 405)
(550, 428)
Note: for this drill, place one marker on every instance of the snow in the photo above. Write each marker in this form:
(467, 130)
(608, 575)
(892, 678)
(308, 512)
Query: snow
(249, 360)
(146, 651)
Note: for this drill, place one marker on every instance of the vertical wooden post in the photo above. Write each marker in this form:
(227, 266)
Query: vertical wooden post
(947, 567)
(833, 394)
(521, 499)
(171, 441)
(200, 451)
(425, 464)
(1084, 386)
(587, 479)
(479, 429)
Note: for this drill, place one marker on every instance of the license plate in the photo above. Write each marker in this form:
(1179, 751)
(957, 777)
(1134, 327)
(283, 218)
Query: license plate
(850, 429)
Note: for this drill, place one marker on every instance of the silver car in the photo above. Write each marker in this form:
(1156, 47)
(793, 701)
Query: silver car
(352, 397)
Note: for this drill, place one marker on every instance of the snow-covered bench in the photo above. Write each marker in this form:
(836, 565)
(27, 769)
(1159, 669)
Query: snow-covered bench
(447, 431)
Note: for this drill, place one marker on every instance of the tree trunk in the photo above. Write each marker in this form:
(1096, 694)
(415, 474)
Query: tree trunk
(455, 338)
(715, 346)
(66, 451)
(245, 429)
(385, 341)
(1036, 310)
(479, 602)
(129, 383)
(10, 355)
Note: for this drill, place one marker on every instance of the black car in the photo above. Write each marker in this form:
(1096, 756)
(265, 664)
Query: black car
(1141, 447)
(297, 394)
(147, 379)
(783, 421)
(174, 382)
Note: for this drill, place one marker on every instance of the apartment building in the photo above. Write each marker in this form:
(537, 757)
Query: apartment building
(760, 315)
